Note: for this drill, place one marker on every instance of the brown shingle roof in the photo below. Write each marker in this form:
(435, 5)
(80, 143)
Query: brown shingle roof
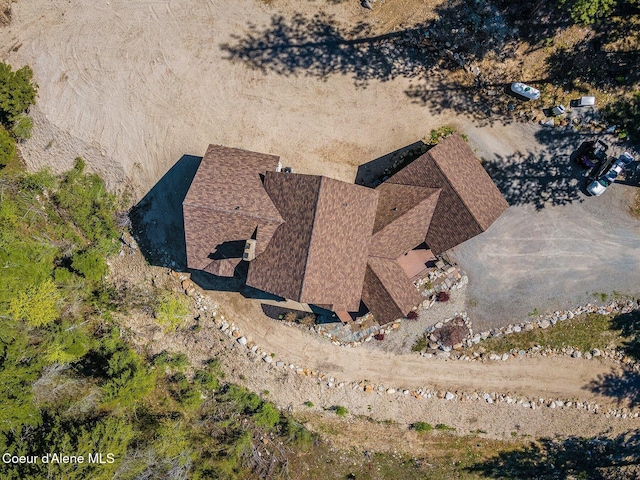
(319, 254)
(227, 202)
(402, 218)
(388, 292)
(469, 201)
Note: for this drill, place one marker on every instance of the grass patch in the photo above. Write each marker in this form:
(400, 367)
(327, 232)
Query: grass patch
(584, 332)
(420, 344)
(444, 428)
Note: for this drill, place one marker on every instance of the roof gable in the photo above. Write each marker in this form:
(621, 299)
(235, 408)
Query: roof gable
(281, 267)
(387, 291)
(464, 172)
(229, 180)
(403, 217)
(227, 202)
(469, 201)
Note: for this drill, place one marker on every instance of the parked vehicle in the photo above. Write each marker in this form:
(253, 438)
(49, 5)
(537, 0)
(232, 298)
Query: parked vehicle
(558, 110)
(586, 101)
(600, 184)
(592, 153)
(525, 91)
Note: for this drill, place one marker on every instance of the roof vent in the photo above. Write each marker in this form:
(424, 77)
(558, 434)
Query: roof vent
(249, 250)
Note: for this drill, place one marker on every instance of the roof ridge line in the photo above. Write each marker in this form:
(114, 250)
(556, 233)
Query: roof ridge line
(223, 210)
(313, 224)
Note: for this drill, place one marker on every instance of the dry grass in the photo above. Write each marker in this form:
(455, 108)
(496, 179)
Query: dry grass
(361, 448)
(585, 333)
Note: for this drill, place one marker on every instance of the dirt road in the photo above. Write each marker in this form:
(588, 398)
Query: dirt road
(535, 377)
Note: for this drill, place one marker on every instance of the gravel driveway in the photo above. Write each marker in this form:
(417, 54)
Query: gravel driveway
(556, 246)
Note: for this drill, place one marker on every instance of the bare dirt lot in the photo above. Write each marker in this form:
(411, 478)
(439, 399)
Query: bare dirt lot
(137, 87)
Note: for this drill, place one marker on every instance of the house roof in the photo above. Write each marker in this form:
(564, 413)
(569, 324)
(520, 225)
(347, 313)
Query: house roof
(331, 243)
(403, 216)
(227, 202)
(318, 255)
(469, 201)
(388, 292)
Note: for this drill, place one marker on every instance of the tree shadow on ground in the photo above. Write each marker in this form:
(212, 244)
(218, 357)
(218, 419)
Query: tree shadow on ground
(485, 103)
(621, 384)
(545, 178)
(157, 222)
(599, 458)
(629, 326)
(464, 32)
(319, 46)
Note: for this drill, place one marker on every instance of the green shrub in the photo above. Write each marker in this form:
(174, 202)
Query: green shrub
(17, 92)
(438, 134)
(188, 396)
(267, 416)
(308, 403)
(90, 263)
(89, 206)
(177, 361)
(242, 399)
(206, 380)
(443, 427)
(37, 305)
(340, 410)
(21, 127)
(7, 147)
(38, 181)
(171, 312)
(422, 427)
(297, 434)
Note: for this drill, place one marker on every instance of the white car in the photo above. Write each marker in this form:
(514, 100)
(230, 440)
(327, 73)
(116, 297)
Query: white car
(525, 90)
(598, 186)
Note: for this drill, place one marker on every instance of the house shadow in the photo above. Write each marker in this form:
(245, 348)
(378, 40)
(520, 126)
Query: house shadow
(237, 283)
(157, 221)
(372, 173)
